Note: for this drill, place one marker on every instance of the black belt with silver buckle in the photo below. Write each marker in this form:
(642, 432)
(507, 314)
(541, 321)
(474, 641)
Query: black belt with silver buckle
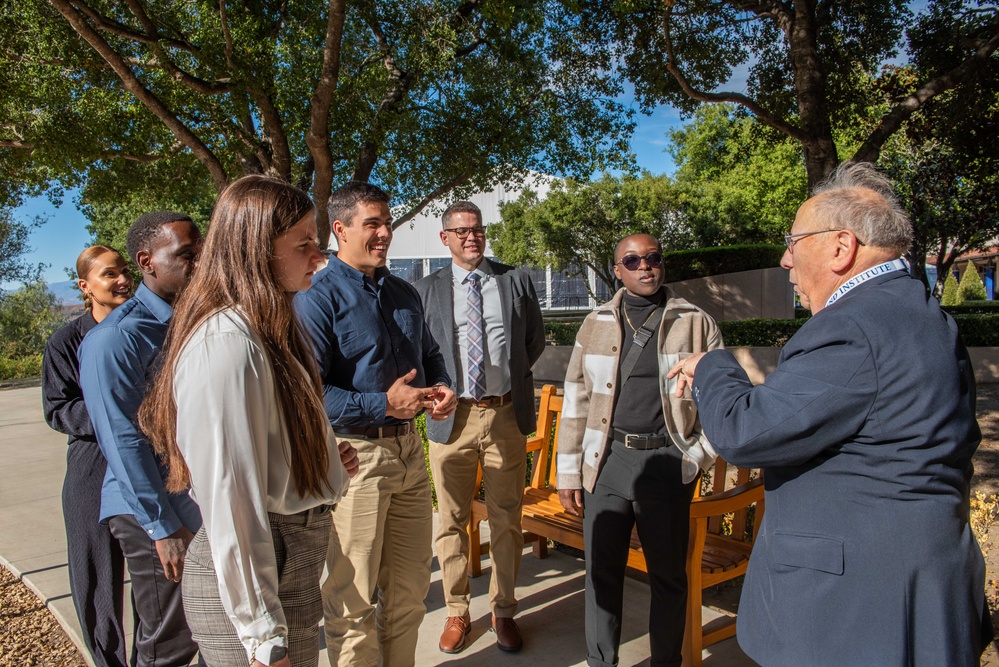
(640, 440)
(393, 431)
(489, 401)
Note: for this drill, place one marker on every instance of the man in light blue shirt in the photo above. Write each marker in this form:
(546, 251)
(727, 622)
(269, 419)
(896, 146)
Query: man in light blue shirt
(117, 360)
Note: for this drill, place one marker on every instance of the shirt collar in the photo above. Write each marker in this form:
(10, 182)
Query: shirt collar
(461, 275)
(160, 309)
(347, 271)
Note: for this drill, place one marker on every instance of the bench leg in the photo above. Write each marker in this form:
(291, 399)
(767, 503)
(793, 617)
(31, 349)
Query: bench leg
(540, 547)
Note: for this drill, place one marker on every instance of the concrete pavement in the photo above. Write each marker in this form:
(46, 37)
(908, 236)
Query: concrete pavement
(33, 546)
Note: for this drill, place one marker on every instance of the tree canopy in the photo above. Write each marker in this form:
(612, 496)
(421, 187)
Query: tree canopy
(150, 103)
(804, 59)
(578, 224)
(737, 181)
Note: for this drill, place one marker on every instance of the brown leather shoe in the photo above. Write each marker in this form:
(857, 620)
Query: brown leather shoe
(456, 628)
(507, 634)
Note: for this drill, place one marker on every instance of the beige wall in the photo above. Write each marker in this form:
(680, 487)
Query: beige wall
(741, 296)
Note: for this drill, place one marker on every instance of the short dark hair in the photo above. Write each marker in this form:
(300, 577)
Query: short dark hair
(460, 207)
(145, 229)
(345, 198)
(617, 248)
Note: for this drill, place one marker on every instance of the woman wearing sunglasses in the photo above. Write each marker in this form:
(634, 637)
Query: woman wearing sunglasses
(237, 415)
(630, 451)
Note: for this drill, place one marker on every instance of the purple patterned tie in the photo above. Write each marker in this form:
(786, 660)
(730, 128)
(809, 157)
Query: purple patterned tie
(476, 355)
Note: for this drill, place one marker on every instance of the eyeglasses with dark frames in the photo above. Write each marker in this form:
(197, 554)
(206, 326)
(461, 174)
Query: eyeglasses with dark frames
(632, 262)
(791, 239)
(463, 232)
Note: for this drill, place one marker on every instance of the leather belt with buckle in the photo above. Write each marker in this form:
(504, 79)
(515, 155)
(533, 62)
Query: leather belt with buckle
(393, 431)
(489, 401)
(641, 440)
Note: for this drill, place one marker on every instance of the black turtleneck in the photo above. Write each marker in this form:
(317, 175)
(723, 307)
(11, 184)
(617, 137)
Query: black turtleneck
(639, 405)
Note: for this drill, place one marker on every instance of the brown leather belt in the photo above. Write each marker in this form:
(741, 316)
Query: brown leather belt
(489, 401)
(393, 431)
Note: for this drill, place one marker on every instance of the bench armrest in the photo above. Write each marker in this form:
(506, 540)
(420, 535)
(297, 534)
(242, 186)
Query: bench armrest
(732, 500)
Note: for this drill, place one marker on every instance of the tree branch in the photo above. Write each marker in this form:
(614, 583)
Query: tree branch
(143, 94)
(736, 98)
(17, 143)
(443, 189)
(318, 136)
(870, 150)
(280, 158)
(194, 83)
(106, 25)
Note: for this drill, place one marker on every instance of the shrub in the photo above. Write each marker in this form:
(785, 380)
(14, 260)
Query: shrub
(978, 330)
(971, 287)
(950, 295)
(20, 367)
(974, 308)
(759, 332)
(562, 333)
(704, 262)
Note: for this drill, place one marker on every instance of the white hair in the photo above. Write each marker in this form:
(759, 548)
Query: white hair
(859, 198)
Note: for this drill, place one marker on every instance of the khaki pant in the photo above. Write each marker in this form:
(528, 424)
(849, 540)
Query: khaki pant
(379, 556)
(489, 435)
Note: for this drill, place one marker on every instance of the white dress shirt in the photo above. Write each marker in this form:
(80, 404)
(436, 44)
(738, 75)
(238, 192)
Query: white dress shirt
(230, 432)
(497, 357)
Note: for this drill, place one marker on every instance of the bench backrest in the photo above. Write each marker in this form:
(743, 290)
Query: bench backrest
(544, 443)
(720, 478)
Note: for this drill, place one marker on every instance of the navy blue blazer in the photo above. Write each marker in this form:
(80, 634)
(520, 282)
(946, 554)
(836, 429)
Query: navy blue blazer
(865, 431)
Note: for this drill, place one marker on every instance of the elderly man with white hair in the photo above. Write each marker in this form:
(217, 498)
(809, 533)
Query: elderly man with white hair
(865, 433)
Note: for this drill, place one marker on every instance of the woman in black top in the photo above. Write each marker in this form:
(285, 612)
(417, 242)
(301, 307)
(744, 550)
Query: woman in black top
(96, 564)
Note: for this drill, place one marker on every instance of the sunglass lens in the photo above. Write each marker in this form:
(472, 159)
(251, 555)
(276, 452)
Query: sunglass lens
(655, 260)
(631, 262)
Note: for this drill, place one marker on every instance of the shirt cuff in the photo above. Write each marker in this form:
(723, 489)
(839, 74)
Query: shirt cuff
(262, 652)
(163, 528)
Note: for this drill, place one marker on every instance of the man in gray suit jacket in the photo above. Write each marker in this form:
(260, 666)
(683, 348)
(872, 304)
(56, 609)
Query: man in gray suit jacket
(865, 431)
(486, 318)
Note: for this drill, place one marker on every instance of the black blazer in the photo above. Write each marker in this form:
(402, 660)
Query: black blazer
(524, 328)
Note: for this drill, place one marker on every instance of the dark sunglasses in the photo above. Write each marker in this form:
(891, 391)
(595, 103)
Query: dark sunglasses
(632, 262)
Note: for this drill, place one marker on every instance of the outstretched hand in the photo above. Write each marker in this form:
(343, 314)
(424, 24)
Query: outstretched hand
(684, 371)
(405, 402)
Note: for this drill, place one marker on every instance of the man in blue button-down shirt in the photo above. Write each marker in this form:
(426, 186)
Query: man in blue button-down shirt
(380, 368)
(117, 359)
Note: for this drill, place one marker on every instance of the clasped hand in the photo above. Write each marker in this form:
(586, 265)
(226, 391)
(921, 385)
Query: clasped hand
(405, 402)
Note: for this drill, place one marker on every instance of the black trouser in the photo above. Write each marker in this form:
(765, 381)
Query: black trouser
(643, 488)
(96, 563)
(162, 638)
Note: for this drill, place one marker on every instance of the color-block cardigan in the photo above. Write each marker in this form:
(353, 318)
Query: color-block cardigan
(590, 392)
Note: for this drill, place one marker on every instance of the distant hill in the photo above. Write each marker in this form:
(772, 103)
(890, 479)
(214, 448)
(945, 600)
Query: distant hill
(66, 293)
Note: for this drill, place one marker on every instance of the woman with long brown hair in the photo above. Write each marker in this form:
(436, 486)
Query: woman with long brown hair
(236, 413)
(96, 563)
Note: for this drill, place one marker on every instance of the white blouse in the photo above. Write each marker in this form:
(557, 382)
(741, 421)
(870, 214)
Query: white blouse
(231, 435)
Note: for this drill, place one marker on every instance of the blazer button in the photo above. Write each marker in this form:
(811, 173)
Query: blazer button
(609, 385)
(614, 349)
(603, 421)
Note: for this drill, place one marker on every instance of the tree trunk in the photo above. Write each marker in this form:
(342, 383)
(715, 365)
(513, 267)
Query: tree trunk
(318, 137)
(810, 85)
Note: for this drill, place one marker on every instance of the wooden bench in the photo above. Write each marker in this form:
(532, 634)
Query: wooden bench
(719, 541)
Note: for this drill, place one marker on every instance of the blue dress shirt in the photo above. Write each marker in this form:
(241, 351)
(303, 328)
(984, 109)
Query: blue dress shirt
(116, 361)
(366, 334)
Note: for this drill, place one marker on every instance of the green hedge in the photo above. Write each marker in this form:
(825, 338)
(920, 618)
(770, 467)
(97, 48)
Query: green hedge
(20, 367)
(704, 262)
(977, 330)
(973, 308)
(759, 332)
